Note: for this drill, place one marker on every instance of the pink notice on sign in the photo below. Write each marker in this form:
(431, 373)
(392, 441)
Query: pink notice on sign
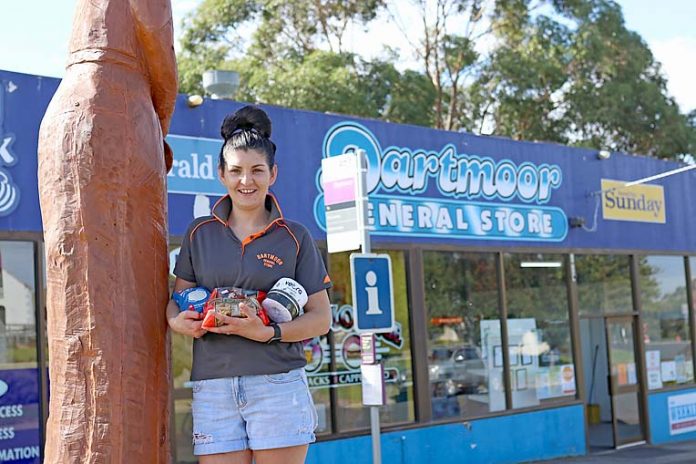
(339, 191)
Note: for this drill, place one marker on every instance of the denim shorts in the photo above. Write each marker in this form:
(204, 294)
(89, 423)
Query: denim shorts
(252, 412)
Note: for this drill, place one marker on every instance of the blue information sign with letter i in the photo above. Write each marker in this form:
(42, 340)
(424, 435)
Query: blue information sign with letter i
(373, 296)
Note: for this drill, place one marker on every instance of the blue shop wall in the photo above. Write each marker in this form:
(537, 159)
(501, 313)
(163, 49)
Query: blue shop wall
(534, 187)
(671, 415)
(523, 437)
(23, 102)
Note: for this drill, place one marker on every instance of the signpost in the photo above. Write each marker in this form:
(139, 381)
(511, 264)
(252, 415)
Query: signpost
(345, 199)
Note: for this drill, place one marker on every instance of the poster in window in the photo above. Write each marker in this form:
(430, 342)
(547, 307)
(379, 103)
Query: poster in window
(526, 358)
(668, 370)
(652, 361)
(622, 373)
(568, 379)
(497, 356)
(631, 371)
(543, 384)
(680, 366)
(521, 379)
(513, 350)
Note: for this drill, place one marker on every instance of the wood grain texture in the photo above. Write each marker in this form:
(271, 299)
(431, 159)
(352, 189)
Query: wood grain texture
(102, 188)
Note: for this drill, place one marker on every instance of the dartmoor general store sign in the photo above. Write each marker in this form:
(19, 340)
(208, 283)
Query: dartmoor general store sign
(415, 192)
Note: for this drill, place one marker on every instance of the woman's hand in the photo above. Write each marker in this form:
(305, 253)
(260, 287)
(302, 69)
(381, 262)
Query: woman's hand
(250, 327)
(187, 323)
(184, 322)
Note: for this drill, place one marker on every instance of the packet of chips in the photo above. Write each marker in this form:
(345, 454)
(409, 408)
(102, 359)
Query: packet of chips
(225, 301)
(192, 299)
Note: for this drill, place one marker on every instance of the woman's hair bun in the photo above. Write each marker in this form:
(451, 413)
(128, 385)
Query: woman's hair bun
(247, 118)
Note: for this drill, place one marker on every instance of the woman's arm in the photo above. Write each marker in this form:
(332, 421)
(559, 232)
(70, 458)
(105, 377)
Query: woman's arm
(184, 322)
(315, 321)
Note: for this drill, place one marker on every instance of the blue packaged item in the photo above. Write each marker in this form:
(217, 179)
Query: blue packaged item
(193, 299)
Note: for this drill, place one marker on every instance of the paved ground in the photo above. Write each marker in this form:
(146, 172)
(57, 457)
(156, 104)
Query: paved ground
(684, 452)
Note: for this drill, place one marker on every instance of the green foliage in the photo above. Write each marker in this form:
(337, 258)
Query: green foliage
(322, 81)
(581, 78)
(284, 63)
(566, 71)
(411, 100)
(524, 78)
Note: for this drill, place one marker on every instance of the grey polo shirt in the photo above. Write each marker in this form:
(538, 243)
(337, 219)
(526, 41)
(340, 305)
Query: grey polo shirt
(212, 256)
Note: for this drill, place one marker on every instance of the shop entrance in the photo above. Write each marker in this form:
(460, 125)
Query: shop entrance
(614, 407)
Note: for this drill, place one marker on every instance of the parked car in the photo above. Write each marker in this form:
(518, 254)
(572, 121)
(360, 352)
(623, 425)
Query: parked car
(456, 370)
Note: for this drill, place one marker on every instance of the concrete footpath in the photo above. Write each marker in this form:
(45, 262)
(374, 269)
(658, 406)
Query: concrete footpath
(682, 452)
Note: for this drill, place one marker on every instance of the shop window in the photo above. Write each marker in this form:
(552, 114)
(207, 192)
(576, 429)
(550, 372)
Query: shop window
(665, 315)
(461, 301)
(604, 284)
(19, 382)
(393, 349)
(540, 350)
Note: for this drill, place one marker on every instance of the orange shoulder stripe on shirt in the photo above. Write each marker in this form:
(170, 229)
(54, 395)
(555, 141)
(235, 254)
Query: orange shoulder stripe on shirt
(327, 279)
(196, 228)
(282, 224)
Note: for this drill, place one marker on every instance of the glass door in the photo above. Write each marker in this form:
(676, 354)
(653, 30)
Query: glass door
(624, 382)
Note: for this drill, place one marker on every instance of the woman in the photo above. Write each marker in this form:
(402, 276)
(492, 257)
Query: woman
(250, 394)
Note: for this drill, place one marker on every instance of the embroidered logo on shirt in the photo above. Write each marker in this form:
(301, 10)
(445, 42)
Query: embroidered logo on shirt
(269, 260)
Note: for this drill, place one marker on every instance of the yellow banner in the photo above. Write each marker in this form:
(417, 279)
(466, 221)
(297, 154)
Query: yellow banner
(641, 203)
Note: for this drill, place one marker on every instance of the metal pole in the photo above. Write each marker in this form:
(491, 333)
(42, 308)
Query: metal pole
(366, 248)
(374, 428)
(361, 202)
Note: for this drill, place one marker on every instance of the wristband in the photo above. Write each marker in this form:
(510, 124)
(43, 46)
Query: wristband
(276, 333)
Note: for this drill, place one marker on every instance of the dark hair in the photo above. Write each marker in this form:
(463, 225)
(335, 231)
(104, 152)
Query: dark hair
(248, 129)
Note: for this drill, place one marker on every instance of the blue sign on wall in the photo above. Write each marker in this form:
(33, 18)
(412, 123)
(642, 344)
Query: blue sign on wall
(373, 296)
(194, 170)
(19, 416)
(425, 186)
(428, 193)
(672, 416)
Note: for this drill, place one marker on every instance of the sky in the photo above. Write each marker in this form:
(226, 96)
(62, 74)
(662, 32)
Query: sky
(35, 33)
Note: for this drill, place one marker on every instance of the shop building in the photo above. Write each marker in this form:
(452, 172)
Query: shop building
(541, 310)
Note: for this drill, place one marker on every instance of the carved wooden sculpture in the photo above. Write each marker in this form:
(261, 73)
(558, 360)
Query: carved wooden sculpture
(102, 189)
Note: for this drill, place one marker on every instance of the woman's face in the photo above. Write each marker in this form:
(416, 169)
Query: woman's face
(247, 177)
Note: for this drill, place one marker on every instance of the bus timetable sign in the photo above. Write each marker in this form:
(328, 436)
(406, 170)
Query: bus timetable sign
(340, 183)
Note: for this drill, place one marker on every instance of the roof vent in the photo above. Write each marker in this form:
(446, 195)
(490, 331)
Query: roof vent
(221, 84)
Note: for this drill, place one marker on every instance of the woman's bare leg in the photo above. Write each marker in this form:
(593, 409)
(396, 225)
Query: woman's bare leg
(236, 457)
(290, 455)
